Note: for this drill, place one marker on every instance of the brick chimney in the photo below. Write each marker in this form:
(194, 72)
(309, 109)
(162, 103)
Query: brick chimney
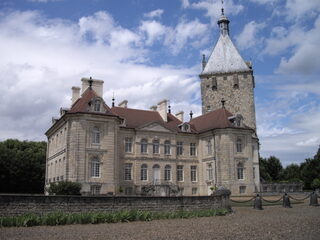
(162, 109)
(75, 94)
(179, 115)
(97, 86)
(123, 104)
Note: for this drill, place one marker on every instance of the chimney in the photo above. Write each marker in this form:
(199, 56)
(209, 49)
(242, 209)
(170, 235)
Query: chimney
(75, 94)
(179, 115)
(97, 86)
(162, 109)
(123, 104)
(153, 108)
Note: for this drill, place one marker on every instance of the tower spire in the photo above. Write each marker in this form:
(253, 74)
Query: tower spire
(223, 22)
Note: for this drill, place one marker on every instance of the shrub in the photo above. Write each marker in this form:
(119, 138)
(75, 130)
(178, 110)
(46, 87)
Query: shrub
(64, 188)
(315, 183)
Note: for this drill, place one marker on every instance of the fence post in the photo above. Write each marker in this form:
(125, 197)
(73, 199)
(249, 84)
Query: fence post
(314, 199)
(257, 204)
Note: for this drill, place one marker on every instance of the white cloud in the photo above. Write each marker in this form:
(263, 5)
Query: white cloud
(297, 9)
(154, 14)
(43, 1)
(213, 8)
(249, 36)
(263, 1)
(314, 141)
(185, 3)
(177, 37)
(42, 59)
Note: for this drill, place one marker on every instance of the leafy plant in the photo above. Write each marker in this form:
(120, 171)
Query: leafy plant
(64, 188)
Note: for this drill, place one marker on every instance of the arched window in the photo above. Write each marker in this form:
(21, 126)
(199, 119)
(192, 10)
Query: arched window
(239, 145)
(167, 147)
(156, 174)
(240, 171)
(155, 146)
(97, 105)
(167, 173)
(144, 172)
(95, 167)
(144, 146)
(96, 135)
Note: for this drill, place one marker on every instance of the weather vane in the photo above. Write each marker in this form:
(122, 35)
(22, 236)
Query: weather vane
(222, 10)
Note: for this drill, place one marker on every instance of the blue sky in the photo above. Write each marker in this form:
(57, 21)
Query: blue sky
(148, 50)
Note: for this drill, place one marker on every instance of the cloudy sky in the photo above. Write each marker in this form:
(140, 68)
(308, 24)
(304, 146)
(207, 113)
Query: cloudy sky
(148, 50)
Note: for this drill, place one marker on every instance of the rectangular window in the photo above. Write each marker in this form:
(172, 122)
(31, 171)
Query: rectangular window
(193, 149)
(61, 178)
(95, 189)
(144, 146)
(179, 173)
(167, 173)
(155, 146)
(210, 172)
(242, 189)
(128, 144)
(96, 135)
(194, 191)
(240, 173)
(254, 173)
(167, 150)
(193, 173)
(128, 171)
(179, 148)
(239, 145)
(95, 168)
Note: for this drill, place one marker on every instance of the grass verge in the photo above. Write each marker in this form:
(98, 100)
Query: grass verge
(60, 218)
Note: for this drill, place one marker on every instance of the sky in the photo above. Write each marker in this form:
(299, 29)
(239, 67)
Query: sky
(149, 50)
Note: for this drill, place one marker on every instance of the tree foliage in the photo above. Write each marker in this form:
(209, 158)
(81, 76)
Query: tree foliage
(64, 188)
(308, 172)
(22, 166)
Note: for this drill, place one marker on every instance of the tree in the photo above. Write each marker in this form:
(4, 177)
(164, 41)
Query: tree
(64, 188)
(274, 168)
(22, 166)
(291, 173)
(315, 183)
(264, 174)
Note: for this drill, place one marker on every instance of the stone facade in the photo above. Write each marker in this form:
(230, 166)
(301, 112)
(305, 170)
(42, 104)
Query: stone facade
(120, 150)
(235, 88)
(14, 205)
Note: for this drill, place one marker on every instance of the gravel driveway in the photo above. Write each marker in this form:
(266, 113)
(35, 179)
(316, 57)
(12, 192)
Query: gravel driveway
(274, 222)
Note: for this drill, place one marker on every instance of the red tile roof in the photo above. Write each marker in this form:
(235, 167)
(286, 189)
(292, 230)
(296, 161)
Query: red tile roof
(82, 104)
(212, 120)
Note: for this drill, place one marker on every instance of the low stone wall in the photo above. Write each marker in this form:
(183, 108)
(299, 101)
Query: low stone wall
(11, 205)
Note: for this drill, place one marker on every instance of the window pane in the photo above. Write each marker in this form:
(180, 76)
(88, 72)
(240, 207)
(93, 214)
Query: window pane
(167, 173)
(167, 149)
(192, 149)
(144, 145)
(193, 173)
(128, 171)
(179, 148)
(96, 135)
(144, 172)
(156, 146)
(179, 173)
(128, 144)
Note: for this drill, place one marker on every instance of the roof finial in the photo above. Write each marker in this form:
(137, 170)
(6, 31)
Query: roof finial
(90, 82)
(169, 108)
(191, 113)
(223, 102)
(204, 62)
(222, 10)
(113, 99)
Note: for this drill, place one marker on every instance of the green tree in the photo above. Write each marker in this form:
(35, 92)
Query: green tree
(291, 173)
(22, 166)
(64, 188)
(315, 183)
(264, 174)
(274, 168)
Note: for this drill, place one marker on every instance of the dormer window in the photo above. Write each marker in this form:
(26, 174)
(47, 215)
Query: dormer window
(97, 105)
(185, 127)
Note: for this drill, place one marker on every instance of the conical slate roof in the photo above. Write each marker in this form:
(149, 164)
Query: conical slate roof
(225, 58)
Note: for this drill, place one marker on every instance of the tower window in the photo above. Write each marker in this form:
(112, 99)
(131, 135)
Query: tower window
(225, 78)
(214, 83)
(235, 81)
(245, 75)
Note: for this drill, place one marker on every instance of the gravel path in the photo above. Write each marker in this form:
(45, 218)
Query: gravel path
(274, 222)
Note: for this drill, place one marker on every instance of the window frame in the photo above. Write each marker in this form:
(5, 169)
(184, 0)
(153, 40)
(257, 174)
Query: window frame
(209, 172)
(167, 147)
(96, 135)
(155, 146)
(167, 173)
(95, 168)
(180, 173)
(179, 148)
(144, 146)
(240, 171)
(193, 149)
(239, 147)
(128, 144)
(209, 147)
(97, 106)
(144, 172)
(128, 172)
(193, 173)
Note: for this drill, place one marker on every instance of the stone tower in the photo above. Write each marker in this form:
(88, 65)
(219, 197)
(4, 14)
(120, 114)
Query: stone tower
(225, 75)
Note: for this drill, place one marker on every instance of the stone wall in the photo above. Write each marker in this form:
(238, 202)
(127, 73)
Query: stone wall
(11, 205)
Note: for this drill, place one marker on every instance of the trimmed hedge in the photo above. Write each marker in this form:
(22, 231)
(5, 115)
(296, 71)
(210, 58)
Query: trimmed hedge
(60, 218)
